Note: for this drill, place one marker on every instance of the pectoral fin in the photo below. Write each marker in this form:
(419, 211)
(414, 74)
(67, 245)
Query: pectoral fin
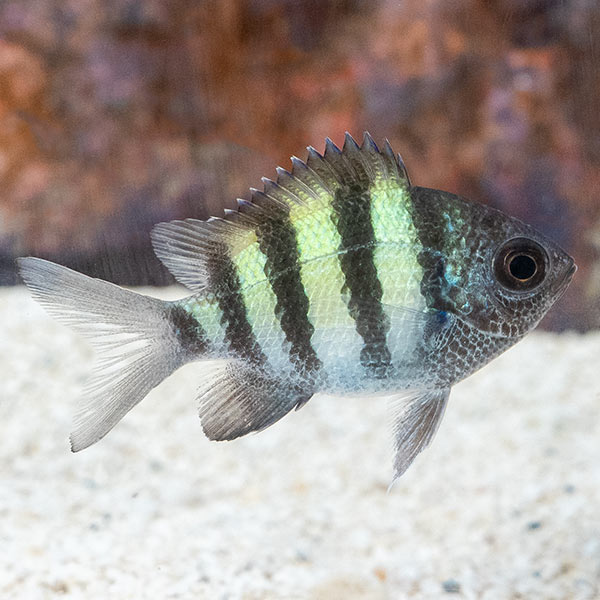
(417, 420)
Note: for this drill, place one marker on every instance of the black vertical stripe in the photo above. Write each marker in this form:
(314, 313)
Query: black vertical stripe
(238, 331)
(430, 211)
(429, 225)
(188, 331)
(442, 222)
(277, 241)
(352, 216)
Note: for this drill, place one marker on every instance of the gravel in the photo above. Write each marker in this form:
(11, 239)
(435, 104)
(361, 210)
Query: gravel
(504, 504)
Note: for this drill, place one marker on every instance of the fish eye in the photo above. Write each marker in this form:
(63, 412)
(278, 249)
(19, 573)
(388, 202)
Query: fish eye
(520, 264)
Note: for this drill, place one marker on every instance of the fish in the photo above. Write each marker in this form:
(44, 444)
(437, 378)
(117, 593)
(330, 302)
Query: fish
(340, 277)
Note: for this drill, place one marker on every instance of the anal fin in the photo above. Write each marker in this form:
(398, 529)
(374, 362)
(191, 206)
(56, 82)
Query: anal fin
(416, 423)
(237, 399)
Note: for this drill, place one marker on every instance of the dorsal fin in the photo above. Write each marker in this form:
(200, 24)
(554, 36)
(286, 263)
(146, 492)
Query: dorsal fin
(189, 247)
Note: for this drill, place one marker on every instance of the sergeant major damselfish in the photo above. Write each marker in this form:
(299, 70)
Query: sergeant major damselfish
(339, 277)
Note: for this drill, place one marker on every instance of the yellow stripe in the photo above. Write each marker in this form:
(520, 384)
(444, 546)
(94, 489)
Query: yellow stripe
(320, 269)
(399, 272)
(208, 314)
(397, 246)
(250, 262)
(260, 301)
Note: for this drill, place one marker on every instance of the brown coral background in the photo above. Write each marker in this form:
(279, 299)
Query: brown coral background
(116, 115)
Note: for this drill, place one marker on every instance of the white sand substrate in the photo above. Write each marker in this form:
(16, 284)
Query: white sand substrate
(504, 504)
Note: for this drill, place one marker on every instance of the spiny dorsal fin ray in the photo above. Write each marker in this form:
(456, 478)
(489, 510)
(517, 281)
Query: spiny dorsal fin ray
(188, 248)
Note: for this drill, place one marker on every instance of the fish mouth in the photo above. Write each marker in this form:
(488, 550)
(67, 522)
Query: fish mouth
(570, 273)
(566, 280)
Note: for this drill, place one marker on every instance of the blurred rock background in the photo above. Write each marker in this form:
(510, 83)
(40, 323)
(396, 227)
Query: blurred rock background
(118, 114)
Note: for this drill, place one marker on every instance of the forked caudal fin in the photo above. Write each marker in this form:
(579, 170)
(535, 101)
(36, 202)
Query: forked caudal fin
(136, 346)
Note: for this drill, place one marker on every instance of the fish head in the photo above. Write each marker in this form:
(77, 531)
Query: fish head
(489, 269)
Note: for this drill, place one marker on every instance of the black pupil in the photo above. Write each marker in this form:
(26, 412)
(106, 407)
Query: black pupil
(522, 267)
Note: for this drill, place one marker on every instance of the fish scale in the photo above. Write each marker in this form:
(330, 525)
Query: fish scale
(340, 276)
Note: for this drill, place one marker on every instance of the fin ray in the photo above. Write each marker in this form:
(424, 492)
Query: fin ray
(236, 400)
(134, 342)
(416, 424)
(188, 247)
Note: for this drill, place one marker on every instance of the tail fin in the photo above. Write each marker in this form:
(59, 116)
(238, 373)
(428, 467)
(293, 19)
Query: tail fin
(135, 344)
